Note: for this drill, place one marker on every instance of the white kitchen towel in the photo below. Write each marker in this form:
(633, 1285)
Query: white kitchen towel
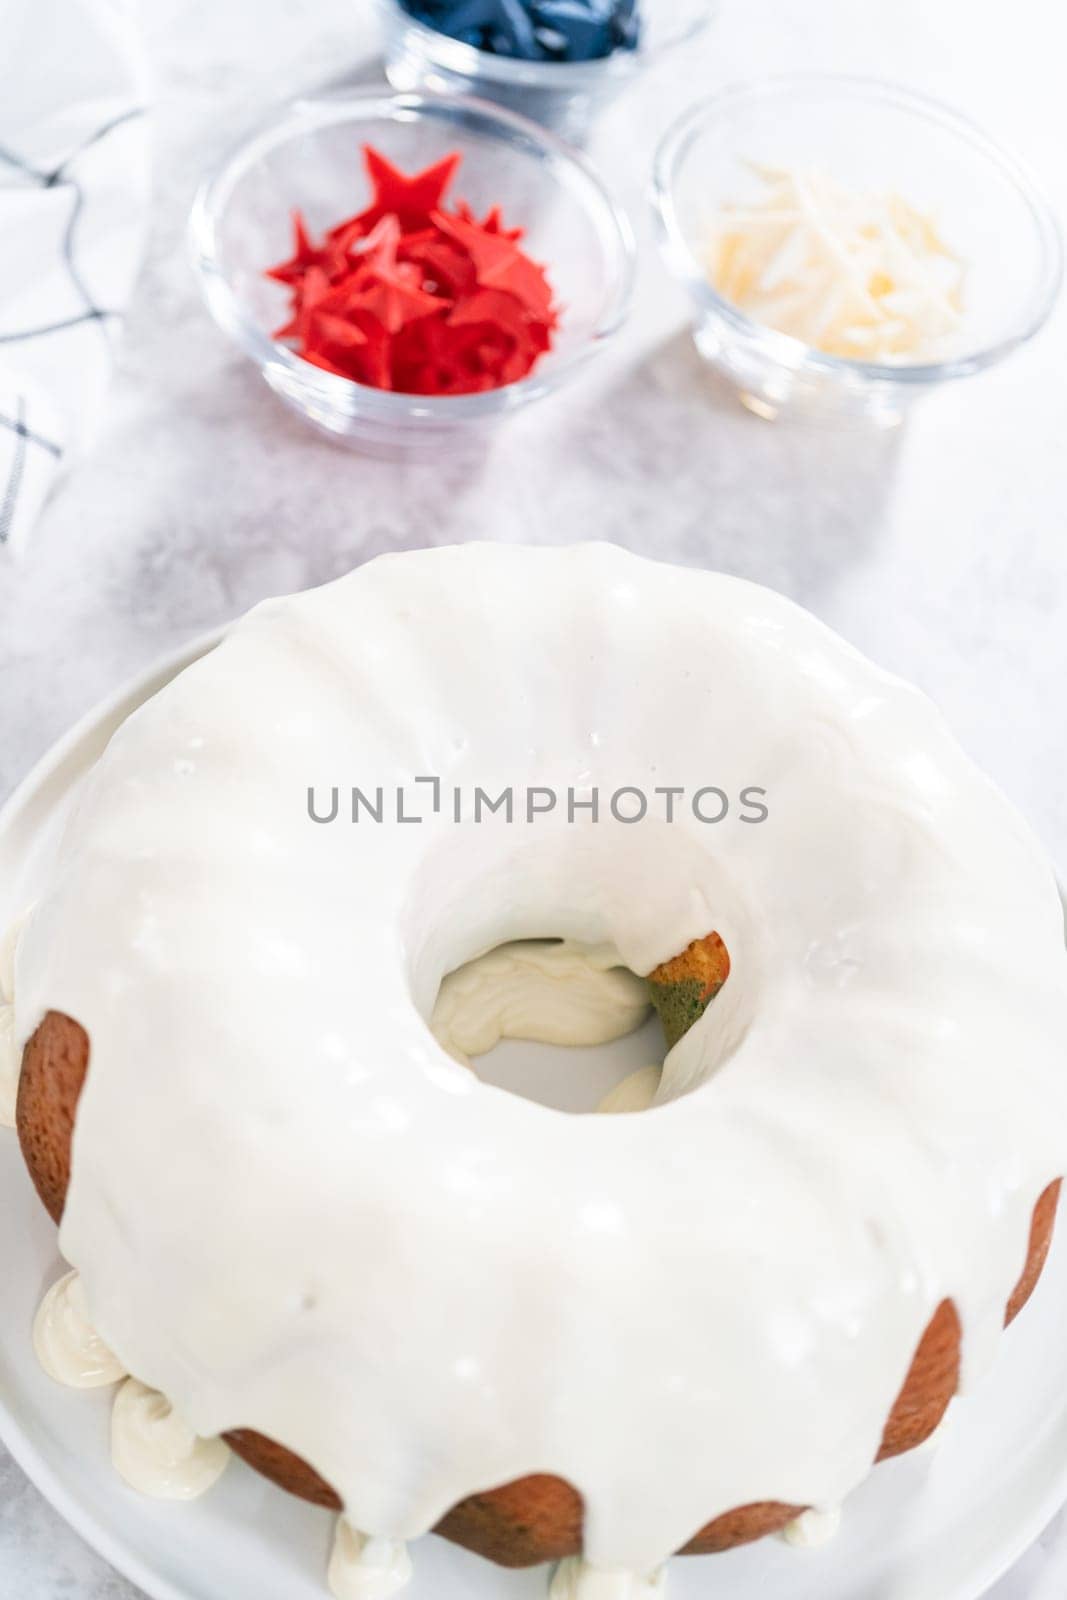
(73, 208)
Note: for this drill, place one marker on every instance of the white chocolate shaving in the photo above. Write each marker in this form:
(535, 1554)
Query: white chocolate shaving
(861, 276)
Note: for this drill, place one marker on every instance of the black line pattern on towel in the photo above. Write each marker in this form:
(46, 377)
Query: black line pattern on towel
(73, 271)
(94, 314)
(16, 425)
(12, 160)
(14, 481)
(25, 436)
(68, 248)
(129, 115)
(49, 180)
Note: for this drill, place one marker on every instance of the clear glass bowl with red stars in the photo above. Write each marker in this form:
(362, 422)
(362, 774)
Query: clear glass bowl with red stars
(405, 270)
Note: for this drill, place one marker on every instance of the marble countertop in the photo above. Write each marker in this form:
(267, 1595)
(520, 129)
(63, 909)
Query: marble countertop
(939, 549)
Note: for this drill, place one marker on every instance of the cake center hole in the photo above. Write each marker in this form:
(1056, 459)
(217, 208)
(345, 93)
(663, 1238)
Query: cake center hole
(559, 1023)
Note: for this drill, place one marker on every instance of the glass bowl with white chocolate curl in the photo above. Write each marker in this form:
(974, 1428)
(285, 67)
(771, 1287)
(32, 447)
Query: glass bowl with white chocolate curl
(848, 245)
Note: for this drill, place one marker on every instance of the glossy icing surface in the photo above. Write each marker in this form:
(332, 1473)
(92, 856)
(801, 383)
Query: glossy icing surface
(836, 1142)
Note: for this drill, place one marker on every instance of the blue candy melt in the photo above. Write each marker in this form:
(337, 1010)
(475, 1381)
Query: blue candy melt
(535, 30)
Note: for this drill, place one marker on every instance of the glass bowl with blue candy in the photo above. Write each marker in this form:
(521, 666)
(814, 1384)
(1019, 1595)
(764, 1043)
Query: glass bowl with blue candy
(557, 62)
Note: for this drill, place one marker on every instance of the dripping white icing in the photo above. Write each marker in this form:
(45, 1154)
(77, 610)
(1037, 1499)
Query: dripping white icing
(895, 936)
(158, 1454)
(10, 1053)
(564, 993)
(635, 1093)
(574, 1579)
(65, 1342)
(813, 1529)
(362, 1568)
(8, 948)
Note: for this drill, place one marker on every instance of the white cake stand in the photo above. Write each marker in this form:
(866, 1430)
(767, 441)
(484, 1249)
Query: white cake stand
(937, 1526)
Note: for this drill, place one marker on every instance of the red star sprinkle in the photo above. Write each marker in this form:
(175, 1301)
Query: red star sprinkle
(411, 200)
(304, 255)
(408, 296)
(446, 270)
(313, 286)
(338, 331)
(499, 263)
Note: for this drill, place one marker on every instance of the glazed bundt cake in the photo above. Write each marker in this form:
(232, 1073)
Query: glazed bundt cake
(404, 1293)
(537, 1518)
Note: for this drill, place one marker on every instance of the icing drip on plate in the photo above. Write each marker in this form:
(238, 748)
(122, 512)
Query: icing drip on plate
(156, 1452)
(362, 1568)
(65, 1342)
(552, 993)
(813, 1529)
(9, 1065)
(151, 1448)
(575, 1579)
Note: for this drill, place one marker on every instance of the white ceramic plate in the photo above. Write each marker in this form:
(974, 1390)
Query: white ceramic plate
(941, 1526)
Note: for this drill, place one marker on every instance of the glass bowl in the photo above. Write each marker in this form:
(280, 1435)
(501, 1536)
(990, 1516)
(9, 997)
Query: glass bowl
(310, 158)
(869, 137)
(562, 95)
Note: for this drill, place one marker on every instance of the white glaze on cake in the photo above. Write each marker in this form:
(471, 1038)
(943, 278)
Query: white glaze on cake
(156, 1452)
(931, 1445)
(362, 1568)
(65, 1342)
(839, 1142)
(8, 946)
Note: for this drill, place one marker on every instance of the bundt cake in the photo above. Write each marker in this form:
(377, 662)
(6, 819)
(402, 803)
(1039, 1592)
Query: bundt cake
(404, 1293)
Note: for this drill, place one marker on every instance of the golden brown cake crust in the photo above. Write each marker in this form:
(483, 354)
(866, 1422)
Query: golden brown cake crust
(54, 1064)
(682, 989)
(537, 1518)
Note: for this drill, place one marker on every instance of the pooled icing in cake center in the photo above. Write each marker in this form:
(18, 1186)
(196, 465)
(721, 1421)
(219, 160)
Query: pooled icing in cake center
(635, 1093)
(549, 992)
(835, 1141)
